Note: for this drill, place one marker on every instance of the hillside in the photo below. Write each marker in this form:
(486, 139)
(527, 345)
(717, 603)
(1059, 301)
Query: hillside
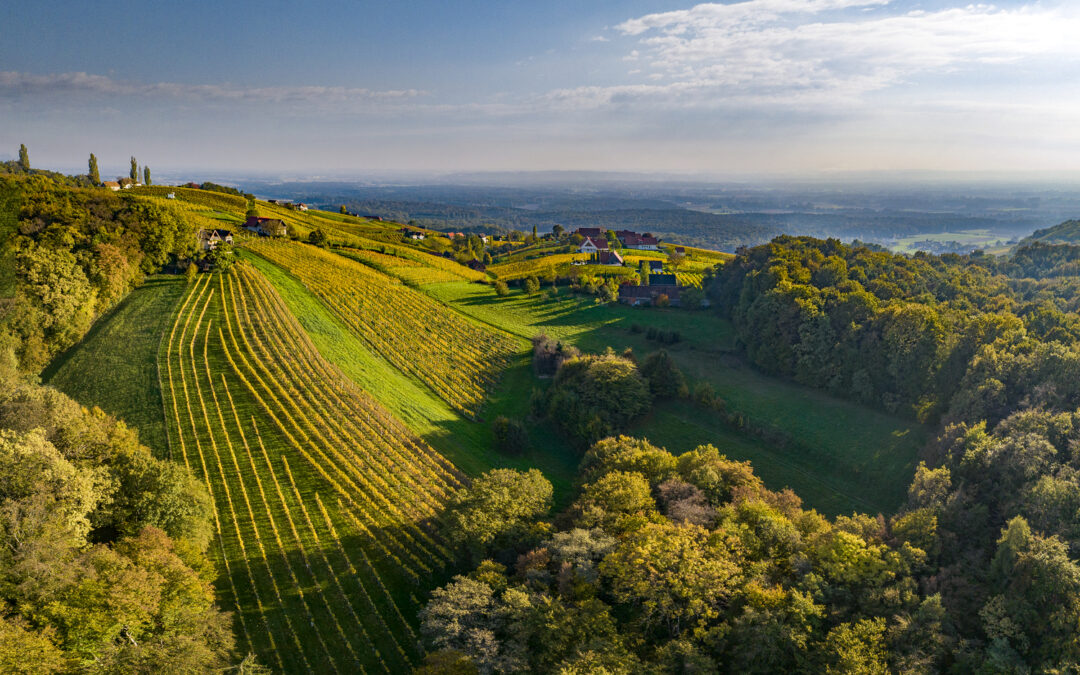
(1067, 232)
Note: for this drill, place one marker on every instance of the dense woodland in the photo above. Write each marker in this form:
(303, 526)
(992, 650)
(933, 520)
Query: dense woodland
(76, 253)
(686, 563)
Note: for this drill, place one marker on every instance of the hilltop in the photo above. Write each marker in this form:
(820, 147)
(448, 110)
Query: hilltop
(1067, 232)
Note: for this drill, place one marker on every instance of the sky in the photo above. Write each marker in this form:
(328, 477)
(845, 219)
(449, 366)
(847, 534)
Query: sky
(347, 86)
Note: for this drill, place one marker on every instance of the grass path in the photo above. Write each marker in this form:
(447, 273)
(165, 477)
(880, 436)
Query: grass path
(115, 366)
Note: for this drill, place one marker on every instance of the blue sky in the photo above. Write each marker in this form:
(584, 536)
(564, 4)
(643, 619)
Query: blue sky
(759, 86)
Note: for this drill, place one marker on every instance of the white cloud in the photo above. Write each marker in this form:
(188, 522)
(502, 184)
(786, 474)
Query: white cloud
(827, 49)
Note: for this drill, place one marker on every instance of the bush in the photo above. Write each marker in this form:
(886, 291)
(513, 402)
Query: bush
(317, 238)
(510, 436)
(665, 378)
(532, 285)
(597, 396)
(190, 273)
(501, 288)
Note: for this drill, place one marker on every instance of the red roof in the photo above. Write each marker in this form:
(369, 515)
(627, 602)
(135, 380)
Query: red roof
(588, 231)
(635, 240)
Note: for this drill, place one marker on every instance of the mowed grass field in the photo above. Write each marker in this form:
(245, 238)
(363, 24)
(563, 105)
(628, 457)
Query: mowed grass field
(838, 455)
(115, 365)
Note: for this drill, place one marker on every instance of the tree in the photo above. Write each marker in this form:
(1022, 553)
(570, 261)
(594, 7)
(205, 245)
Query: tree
(618, 502)
(532, 284)
(24, 158)
(134, 173)
(665, 378)
(676, 576)
(597, 396)
(676, 259)
(343, 210)
(95, 175)
(191, 272)
(501, 289)
(317, 238)
(499, 509)
(557, 230)
(510, 436)
(146, 175)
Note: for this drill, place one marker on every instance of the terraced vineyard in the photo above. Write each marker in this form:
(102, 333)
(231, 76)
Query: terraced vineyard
(519, 269)
(324, 501)
(457, 359)
(411, 266)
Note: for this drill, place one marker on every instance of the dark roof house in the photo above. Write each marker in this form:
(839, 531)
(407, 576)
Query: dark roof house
(647, 295)
(663, 280)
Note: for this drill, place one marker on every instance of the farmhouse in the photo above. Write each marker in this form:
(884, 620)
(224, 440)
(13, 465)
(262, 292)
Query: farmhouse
(266, 227)
(645, 242)
(112, 185)
(648, 295)
(652, 265)
(591, 245)
(589, 232)
(209, 239)
(301, 206)
(611, 258)
(663, 280)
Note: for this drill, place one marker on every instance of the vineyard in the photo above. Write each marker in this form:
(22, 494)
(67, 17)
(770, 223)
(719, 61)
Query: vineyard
(561, 262)
(455, 358)
(411, 266)
(324, 501)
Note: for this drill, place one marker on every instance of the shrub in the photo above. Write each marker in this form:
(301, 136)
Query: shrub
(532, 285)
(190, 273)
(510, 436)
(597, 396)
(501, 289)
(665, 378)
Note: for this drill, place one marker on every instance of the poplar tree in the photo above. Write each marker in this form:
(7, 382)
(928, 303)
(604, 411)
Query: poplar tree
(95, 175)
(146, 175)
(134, 174)
(24, 157)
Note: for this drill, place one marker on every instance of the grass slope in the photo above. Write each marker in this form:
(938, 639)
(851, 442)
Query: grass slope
(841, 456)
(1062, 233)
(115, 365)
(469, 444)
(324, 502)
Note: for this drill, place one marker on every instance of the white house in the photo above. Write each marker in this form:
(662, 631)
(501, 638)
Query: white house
(593, 246)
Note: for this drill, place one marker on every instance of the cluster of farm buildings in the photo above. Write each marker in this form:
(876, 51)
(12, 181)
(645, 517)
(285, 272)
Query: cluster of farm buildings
(661, 289)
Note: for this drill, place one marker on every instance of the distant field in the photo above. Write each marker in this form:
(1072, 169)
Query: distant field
(844, 456)
(115, 365)
(976, 239)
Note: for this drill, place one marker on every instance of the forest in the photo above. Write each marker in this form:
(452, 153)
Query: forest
(685, 563)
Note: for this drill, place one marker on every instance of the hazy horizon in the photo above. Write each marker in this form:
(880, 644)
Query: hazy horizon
(787, 89)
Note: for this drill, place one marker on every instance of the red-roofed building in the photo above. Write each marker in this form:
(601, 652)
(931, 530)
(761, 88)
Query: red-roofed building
(641, 243)
(591, 245)
(589, 232)
(611, 258)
